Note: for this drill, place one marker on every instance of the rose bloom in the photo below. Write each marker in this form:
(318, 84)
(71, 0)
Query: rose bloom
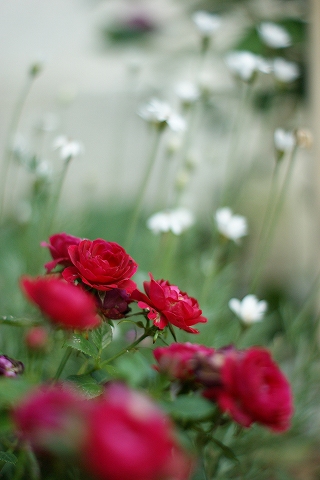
(180, 360)
(66, 305)
(50, 418)
(167, 304)
(128, 437)
(253, 389)
(101, 265)
(58, 246)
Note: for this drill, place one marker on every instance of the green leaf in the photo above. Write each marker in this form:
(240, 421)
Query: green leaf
(187, 407)
(8, 457)
(89, 387)
(227, 452)
(102, 336)
(78, 342)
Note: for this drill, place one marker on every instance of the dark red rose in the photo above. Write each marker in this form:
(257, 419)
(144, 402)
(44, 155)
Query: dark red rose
(101, 265)
(64, 304)
(129, 437)
(167, 304)
(114, 304)
(253, 389)
(180, 360)
(58, 247)
(52, 418)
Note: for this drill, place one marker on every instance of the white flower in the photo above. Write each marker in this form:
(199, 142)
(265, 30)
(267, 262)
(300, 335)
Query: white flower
(229, 225)
(285, 71)
(249, 309)
(245, 64)
(284, 140)
(206, 23)
(67, 148)
(273, 35)
(187, 92)
(158, 112)
(177, 221)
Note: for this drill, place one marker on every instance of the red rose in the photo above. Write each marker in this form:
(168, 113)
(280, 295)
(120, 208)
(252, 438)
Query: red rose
(58, 246)
(180, 360)
(253, 389)
(50, 418)
(167, 304)
(101, 265)
(64, 304)
(128, 437)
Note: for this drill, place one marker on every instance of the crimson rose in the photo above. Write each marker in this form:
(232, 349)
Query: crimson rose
(253, 389)
(129, 437)
(167, 304)
(64, 304)
(101, 265)
(58, 247)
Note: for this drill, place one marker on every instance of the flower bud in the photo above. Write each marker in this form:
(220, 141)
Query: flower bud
(10, 367)
(36, 339)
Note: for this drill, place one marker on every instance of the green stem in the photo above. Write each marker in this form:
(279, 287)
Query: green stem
(126, 349)
(63, 362)
(55, 198)
(143, 187)
(8, 152)
(274, 218)
(235, 135)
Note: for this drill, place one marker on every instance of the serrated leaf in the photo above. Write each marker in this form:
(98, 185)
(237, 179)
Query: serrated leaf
(78, 342)
(89, 387)
(187, 407)
(102, 336)
(227, 452)
(8, 457)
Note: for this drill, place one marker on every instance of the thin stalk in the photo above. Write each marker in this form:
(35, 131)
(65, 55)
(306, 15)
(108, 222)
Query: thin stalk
(125, 350)
(143, 187)
(63, 363)
(235, 135)
(53, 205)
(261, 259)
(8, 152)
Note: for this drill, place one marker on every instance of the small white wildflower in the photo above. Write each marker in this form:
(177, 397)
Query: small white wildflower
(285, 71)
(177, 221)
(206, 23)
(44, 170)
(187, 92)
(284, 140)
(158, 113)
(244, 64)
(274, 35)
(67, 148)
(229, 225)
(249, 309)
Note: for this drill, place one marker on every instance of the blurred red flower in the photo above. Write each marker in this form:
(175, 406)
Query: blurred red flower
(66, 305)
(58, 246)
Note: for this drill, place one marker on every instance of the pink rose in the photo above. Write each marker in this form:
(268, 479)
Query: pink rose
(66, 305)
(51, 418)
(167, 304)
(101, 265)
(128, 437)
(180, 360)
(58, 247)
(253, 389)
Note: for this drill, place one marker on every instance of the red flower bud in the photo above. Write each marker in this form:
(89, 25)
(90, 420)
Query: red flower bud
(58, 246)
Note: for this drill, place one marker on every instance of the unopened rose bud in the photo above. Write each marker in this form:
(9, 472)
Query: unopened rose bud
(36, 339)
